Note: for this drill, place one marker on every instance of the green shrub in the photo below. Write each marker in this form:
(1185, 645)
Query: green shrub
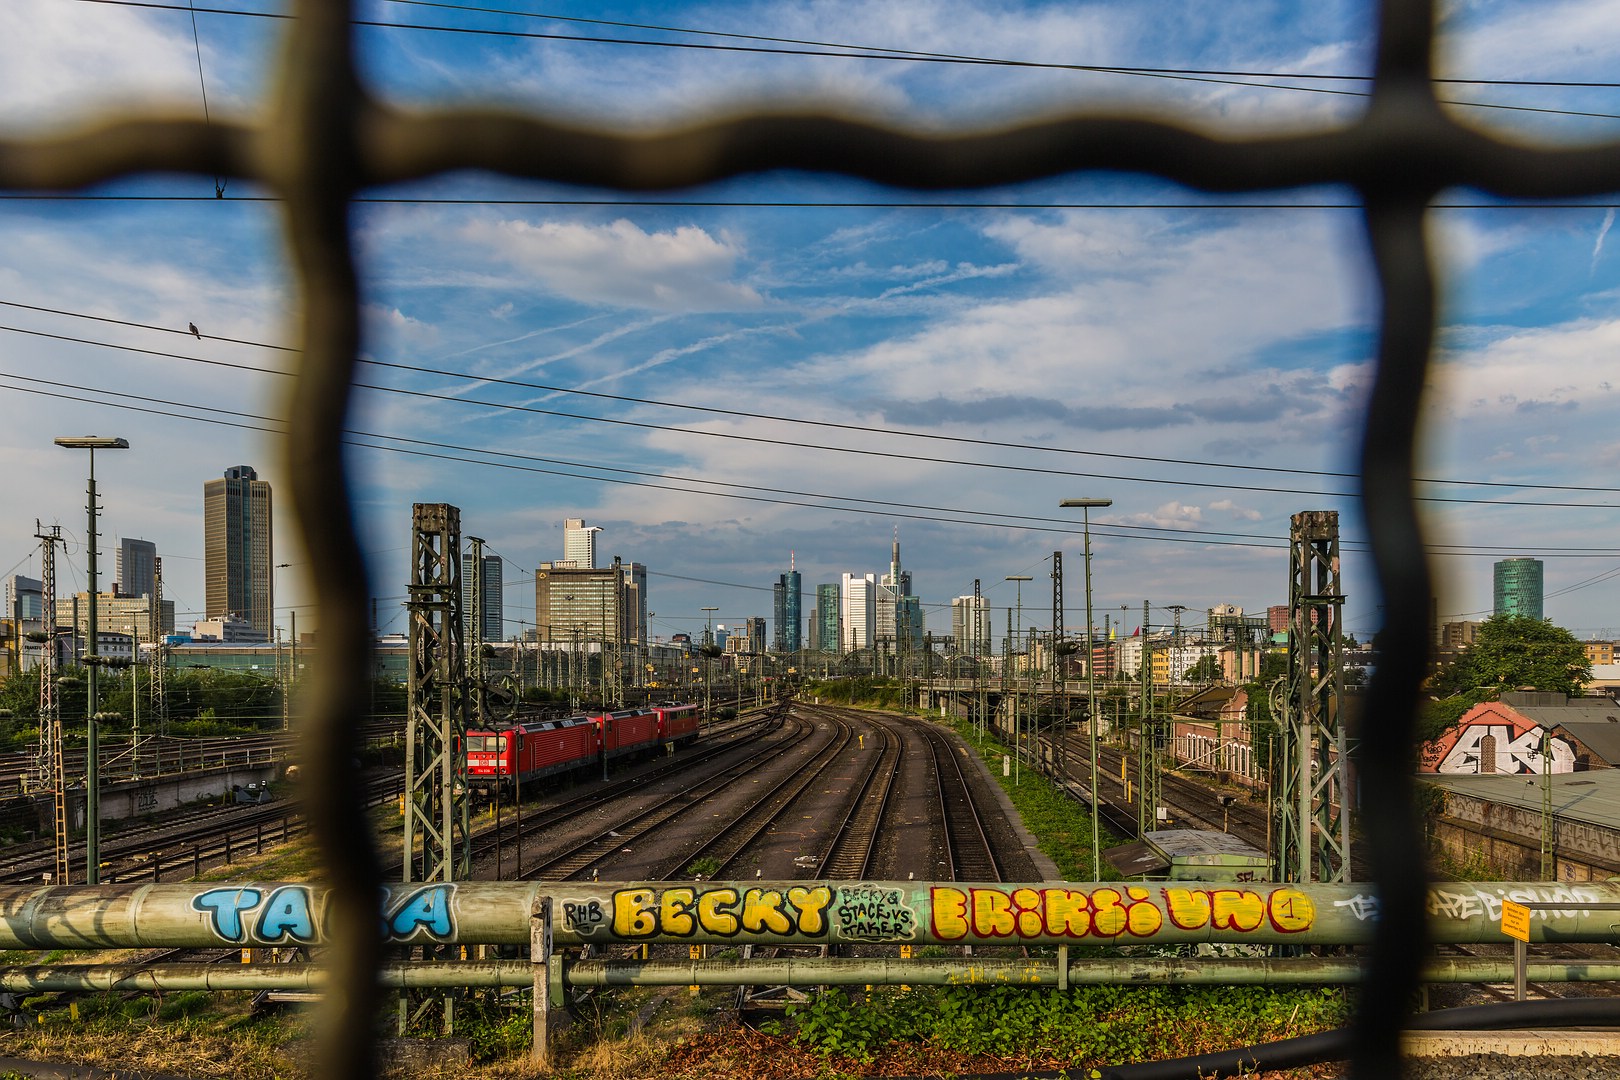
(182, 1005)
(1090, 1024)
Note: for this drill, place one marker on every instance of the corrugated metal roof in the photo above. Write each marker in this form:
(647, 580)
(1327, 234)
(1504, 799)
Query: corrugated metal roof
(1592, 796)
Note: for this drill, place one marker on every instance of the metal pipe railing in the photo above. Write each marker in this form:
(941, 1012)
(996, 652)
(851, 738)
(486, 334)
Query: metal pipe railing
(806, 972)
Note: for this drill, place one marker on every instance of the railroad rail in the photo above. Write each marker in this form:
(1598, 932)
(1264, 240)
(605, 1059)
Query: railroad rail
(188, 845)
(491, 842)
(969, 852)
(576, 858)
(762, 810)
(849, 855)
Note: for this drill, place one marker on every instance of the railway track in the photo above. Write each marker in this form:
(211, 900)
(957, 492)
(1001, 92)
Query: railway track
(490, 843)
(726, 846)
(576, 858)
(160, 755)
(187, 846)
(968, 850)
(849, 856)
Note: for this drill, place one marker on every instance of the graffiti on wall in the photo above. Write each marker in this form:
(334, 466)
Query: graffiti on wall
(719, 911)
(1496, 742)
(292, 914)
(1447, 902)
(980, 914)
(1111, 913)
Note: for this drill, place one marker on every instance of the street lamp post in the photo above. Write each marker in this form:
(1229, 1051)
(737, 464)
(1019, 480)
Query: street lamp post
(92, 756)
(1085, 506)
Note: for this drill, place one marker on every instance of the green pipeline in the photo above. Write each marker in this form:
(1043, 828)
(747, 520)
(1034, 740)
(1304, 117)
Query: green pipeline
(788, 913)
(799, 972)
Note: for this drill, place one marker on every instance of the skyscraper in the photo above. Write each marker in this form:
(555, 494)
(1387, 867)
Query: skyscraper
(857, 611)
(827, 606)
(899, 613)
(1517, 588)
(635, 601)
(579, 543)
(238, 560)
(137, 567)
(970, 625)
(492, 619)
(787, 594)
(754, 630)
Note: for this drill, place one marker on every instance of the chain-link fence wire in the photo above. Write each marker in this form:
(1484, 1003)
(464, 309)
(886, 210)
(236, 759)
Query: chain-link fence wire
(325, 137)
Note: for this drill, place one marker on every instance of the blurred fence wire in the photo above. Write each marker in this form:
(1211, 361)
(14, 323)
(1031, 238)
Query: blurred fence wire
(324, 138)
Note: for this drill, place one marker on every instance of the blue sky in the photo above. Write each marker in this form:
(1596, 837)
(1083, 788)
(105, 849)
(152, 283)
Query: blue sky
(1204, 364)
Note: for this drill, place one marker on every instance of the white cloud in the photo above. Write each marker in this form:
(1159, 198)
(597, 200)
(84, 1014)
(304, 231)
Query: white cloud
(1170, 515)
(682, 269)
(1241, 513)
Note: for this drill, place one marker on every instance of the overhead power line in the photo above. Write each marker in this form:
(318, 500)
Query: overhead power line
(885, 509)
(793, 47)
(794, 204)
(740, 414)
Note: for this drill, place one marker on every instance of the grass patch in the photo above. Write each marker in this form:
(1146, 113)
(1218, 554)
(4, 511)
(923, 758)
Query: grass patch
(192, 1034)
(1088, 1026)
(1061, 826)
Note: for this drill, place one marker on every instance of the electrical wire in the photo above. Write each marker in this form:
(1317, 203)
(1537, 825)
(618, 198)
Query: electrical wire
(792, 204)
(888, 509)
(196, 40)
(895, 55)
(826, 424)
(1134, 68)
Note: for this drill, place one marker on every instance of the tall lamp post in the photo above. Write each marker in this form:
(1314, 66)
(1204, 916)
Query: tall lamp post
(92, 754)
(1085, 506)
(1018, 745)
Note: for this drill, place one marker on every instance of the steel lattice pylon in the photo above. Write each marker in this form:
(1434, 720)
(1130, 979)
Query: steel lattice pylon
(1313, 820)
(438, 845)
(160, 664)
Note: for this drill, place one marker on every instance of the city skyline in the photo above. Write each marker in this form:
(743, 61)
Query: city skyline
(715, 377)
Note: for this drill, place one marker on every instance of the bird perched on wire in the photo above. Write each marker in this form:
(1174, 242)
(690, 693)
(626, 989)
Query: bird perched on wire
(196, 333)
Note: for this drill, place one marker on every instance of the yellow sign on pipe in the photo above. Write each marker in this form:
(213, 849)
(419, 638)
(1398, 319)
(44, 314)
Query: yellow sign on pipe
(1516, 920)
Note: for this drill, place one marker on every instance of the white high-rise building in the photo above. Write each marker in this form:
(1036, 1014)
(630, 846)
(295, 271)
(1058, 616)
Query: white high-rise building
(858, 609)
(971, 629)
(579, 543)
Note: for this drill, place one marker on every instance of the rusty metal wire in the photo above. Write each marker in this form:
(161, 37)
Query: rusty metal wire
(325, 138)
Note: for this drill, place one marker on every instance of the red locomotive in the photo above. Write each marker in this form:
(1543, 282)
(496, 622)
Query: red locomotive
(678, 724)
(525, 752)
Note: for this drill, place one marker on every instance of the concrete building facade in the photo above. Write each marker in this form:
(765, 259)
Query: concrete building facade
(857, 611)
(238, 552)
(970, 625)
(579, 543)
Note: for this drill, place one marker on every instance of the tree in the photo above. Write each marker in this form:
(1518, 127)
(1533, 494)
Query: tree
(1207, 669)
(1514, 651)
